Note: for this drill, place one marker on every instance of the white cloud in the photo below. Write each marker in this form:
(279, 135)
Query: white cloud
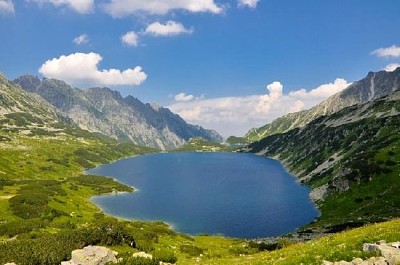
(7, 7)
(391, 67)
(121, 8)
(80, 6)
(82, 68)
(171, 28)
(81, 39)
(323, 91)
(265, 102)
(183, 97)
(236, 115)
(248, 3)
(130, 38)
(392, 51)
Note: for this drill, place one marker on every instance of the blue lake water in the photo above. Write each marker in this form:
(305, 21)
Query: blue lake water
(237, 195)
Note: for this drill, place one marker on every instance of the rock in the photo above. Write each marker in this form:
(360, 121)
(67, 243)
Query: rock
(91, 255)
(142, 255)
(396, 244)
(376, 261)
(370, 247)
(357, 261)
(390, 255)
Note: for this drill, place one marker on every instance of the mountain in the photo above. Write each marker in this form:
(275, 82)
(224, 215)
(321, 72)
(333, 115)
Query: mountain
(349, 158)
(22, 111)
(127, 119)
(373, 86)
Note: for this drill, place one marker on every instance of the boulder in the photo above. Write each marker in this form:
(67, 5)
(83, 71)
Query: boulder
(142, 255)
(91, 255)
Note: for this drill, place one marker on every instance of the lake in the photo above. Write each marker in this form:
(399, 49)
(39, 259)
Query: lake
(233, 194)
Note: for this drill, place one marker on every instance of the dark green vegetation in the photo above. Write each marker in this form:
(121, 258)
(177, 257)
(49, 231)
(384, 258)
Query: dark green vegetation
(42, 247)
(351, 158)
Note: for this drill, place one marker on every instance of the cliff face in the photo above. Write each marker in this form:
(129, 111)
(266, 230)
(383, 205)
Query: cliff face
(127, 119)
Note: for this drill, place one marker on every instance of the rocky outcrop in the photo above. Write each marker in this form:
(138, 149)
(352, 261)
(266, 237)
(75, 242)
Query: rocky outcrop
(390, 255)
(92, 255)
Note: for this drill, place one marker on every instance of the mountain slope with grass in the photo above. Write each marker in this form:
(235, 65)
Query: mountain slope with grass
(45, 211)
(125, 119)
(350, 158)
(373, 86)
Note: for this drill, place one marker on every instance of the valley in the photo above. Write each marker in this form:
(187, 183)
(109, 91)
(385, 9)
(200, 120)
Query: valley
(349, 157)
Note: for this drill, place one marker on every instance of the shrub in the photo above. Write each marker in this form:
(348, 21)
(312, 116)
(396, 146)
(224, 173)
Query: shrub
(191, 250)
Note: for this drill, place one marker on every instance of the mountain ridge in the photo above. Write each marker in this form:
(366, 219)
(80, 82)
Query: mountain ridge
(373, 86)
(106, 111)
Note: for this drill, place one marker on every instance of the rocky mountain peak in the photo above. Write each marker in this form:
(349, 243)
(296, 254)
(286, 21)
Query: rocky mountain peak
(105, 111)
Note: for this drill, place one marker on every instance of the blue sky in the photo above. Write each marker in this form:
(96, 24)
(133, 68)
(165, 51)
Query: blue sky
(226, 65)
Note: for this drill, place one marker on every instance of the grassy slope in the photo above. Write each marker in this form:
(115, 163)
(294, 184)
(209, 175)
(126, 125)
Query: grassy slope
(151, 237)
(341, 246)
(364, 153)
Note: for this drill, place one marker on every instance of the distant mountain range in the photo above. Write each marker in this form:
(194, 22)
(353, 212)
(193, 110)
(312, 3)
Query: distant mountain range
(347, 149)
(373, 86)
(105, 111)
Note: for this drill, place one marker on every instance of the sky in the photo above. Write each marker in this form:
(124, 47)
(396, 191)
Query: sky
(228, 65)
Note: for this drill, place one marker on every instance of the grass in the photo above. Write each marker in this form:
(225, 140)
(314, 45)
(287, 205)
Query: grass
(42, 175)
(341, 246)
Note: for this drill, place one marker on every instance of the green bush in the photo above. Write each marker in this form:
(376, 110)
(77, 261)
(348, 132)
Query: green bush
(101, 184)
(165, 255)
(191, 250)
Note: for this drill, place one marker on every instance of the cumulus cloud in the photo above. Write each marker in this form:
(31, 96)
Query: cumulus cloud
(248, 3)
(81, 39)
(122, 8)
(80, 6)
(82, 68)
(183, 97)
(130, 38)
(265, 102)
(171, 28)
(323, 91)
(391, 67)
(236, 115)
(392, 51)
(7, 7)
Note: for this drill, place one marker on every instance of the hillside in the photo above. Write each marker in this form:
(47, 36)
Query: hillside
(45, 211)
(373, 86)
(349, 158)
(125, 119)
(198, 144)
